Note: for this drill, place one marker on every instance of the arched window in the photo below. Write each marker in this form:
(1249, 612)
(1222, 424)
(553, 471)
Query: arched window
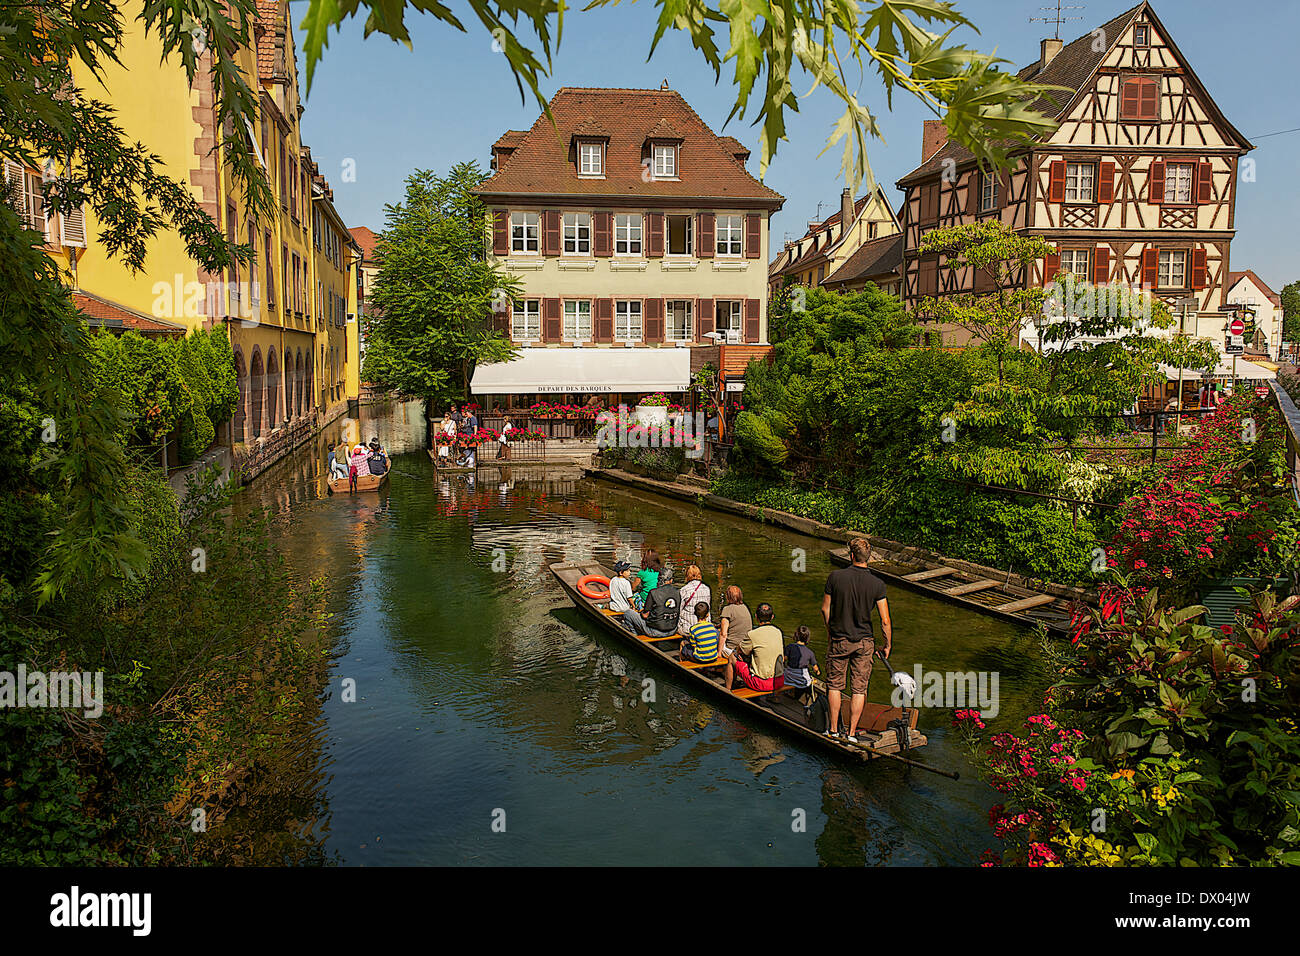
(272, 390)
(257, 381)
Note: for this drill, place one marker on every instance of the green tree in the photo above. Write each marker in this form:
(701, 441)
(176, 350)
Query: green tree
(1290, 296)
(436, 293)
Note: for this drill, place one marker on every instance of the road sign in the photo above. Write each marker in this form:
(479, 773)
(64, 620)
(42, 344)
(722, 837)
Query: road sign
(1237, 327)
(1261, 391)
(1235, 345)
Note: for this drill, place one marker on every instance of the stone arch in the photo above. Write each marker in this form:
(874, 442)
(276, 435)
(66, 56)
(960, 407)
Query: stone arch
(257, 390)
(300, 376)
(240, 420)
(272, 389)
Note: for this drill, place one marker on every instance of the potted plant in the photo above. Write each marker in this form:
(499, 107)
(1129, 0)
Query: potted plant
(653, 409)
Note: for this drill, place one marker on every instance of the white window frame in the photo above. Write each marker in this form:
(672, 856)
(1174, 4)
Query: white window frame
(629, 231)
(732, 245)
(1166, 272)
(988, 191)
(735, 309)
(689, 331)
(1074, 256)
(576, 234)
(1176, 181)
(690, 236)
(627, 311)
(578, 313)
(526, 320)
(665, 160)
(594, 151)
(1080, 182)
(1141, 34)
(525, 229)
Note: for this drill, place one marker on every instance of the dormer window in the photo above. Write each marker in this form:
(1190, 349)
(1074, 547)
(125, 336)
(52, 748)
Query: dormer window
(591, 159)
(1142, 34)
(665, 160)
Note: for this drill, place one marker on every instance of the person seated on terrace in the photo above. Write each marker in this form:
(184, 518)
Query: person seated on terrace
(759, 655)
(447, 436)
(702, 645)
(378, 461)
(659, 619)
(694, 590)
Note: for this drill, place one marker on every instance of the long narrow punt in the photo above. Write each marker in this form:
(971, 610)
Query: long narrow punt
(969, 589)
(876, 736)
(364, 483)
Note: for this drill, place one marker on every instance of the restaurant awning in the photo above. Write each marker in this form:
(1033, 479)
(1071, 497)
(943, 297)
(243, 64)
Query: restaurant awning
(541, 370)
(1245, 370)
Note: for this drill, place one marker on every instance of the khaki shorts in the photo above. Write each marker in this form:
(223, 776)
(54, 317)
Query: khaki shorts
(853, 658)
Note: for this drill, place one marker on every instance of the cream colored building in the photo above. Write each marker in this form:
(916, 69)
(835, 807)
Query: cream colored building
(820, 255)
(1246, 288)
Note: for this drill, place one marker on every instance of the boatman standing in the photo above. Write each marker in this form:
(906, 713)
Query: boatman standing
(851, 593)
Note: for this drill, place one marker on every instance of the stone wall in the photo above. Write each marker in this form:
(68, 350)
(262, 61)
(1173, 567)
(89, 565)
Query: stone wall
(254, 457)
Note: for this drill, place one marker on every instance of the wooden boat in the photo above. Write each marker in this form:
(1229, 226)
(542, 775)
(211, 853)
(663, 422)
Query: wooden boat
(969, 589)
(878, 730)
(364, 483)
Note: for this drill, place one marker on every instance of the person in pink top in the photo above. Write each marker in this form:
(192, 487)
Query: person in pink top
(356, 461)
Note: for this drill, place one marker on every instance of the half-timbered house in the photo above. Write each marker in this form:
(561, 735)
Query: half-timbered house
(1137, 185)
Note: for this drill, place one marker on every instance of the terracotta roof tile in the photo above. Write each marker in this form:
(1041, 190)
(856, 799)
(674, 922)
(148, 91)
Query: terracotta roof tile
(1235, 277)
(101, 313)
(541, 164)
(366, 240)
(876, 257)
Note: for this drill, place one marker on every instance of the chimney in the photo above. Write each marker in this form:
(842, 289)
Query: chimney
(1049, 50)
(933, 137)
(846, 210)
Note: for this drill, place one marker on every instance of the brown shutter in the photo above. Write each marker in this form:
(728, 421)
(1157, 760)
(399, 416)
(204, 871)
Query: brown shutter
(551, 232)
(1004, 188)
(753, 236)
(973, 193)
(1156, 182)
(552, 326)
(1149, 107)
(1101, 265)
(1150, 267)
(501, 320)
(500, 232)
(751, 319)
(602, 234)
(706, 230)
(1204, 182)
(1129, 98)
(1105, 183)
(704, 316)
(604, 324)
(1056, 181)
(1198, 269)
(654, 235)
(654, 319)
(1051, 266)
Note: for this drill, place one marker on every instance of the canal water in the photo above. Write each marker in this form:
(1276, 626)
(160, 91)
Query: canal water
(493, 725)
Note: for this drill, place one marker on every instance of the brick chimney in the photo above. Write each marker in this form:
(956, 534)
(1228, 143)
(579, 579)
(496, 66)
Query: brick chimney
(933, 137)
(846, 210)
(1048, 53)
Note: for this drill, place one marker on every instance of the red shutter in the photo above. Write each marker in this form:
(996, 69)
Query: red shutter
(500, 232)
(551, 233)
(654, 319)
(1149, 105)
(552, 328)
(1204, 182)
(1101, 265)
(704, 311)
(1156, 182)
(753, 237)
(1056, 181)
(1150, 267)
(1105, 183)
(1051, 266)
(706, 230)
(1130, 100)
(654, 235)
(751, 319)
(1198, 269)
(604, 325)
(602, 234)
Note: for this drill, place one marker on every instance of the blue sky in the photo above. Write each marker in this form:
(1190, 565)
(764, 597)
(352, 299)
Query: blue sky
(393, 110)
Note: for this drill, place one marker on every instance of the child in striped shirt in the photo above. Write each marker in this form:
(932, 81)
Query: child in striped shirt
(702, 645)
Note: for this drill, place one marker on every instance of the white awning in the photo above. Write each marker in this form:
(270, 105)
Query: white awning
(1248, 371)
(540, 370)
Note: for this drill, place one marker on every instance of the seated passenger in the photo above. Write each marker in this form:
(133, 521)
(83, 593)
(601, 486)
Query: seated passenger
(357, 466)
(620, 588)
(337, 468)
(702, 645)
(800, 661)
(757, 655)
(659, 619)
(694, 590)
(638, 592)
(651, 565)
(378, 461)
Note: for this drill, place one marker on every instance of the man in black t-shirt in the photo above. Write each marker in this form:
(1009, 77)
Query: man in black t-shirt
(851, 593)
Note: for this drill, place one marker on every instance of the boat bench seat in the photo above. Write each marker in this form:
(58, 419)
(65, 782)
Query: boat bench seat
(691, 665)
(746, 692)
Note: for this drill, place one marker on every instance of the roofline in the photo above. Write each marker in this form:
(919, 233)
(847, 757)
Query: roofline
(717, 202)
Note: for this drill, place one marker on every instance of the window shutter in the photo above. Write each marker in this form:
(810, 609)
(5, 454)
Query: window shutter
(551, 232)
(706, 230)
(1204, 182)
(654, 235)
(604, 325)
(1149, 103)
(16, 177)
(1105, 183)
(973, 193)
(74, 228)
(1101, 265)
(1156, 183)
(1056, 181)
(1198, 269)
(704, 315)
(1129, 99)
(654, 319)
(753, 236)
(1051, 266)
(1004, 189)
(501, 320)
(751, 319)
(1150, 267)
(552, 327)
(500, 232)
(602, 234)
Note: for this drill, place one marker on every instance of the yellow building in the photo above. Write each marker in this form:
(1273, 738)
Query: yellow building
(860, 231)
(285, 311)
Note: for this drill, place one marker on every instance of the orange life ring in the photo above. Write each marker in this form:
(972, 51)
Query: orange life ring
(593, 579)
